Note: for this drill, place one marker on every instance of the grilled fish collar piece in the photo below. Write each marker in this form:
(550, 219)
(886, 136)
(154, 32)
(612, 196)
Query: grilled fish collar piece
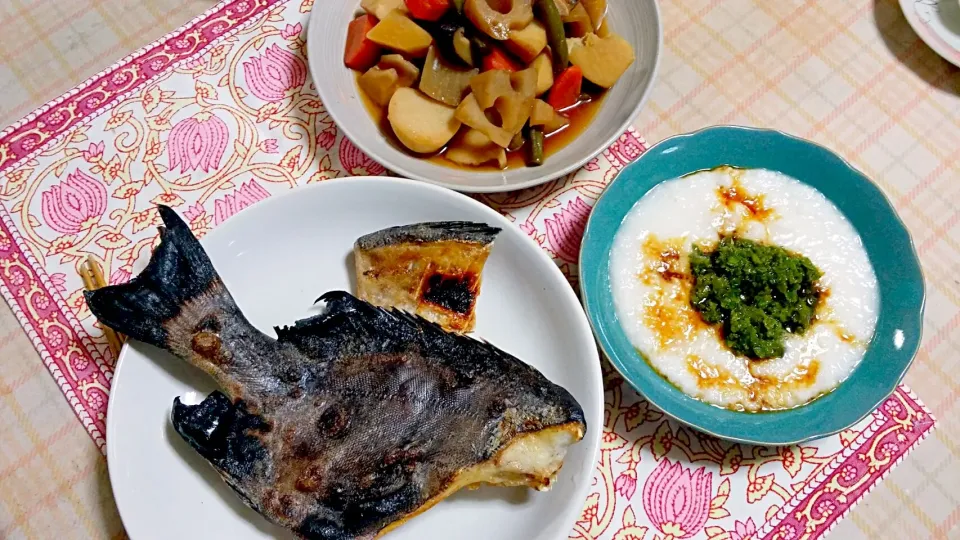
(352, 421)
(431, 269)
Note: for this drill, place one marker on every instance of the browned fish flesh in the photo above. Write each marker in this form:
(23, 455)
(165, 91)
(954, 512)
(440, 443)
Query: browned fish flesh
(349, 422)
(430, 269)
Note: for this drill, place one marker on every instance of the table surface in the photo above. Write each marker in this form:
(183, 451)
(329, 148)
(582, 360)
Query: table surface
(851, 75)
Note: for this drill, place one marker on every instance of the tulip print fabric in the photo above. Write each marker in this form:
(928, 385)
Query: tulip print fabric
(223, 114)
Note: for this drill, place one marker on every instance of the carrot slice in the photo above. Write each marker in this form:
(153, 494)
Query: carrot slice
(361, 54)
(497, 59)
(566, 89)
(427, 10)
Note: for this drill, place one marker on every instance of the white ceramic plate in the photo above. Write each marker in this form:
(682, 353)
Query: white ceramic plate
(638, 21)
(937, 22)
(279, 256)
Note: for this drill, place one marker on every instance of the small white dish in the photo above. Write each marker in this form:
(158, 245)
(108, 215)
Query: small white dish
(937, 22)
(276, 258)
(638, 21)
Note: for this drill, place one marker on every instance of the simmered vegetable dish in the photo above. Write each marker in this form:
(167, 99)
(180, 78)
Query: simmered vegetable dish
(477, 81)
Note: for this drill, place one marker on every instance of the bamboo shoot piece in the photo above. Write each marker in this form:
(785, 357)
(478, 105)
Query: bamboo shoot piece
(443, 82)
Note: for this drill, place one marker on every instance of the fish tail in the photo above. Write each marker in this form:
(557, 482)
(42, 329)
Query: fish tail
(175, 298)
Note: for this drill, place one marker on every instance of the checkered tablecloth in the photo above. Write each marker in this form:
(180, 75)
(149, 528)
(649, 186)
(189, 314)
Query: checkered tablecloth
(850, 75)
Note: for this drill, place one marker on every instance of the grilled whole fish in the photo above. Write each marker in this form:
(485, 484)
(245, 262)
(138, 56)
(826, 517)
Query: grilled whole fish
(431, 269)
(352, 421)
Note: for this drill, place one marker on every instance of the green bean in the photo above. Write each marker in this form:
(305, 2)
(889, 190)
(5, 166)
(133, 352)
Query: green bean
(458, 5)
(517, 142)
(536, 144)
(555, 34)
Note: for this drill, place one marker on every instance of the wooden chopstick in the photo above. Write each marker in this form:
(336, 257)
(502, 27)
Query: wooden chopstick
(92, 276)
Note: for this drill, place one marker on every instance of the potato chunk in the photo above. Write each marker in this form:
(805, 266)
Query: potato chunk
(399, 33)
(381, 8)
(544, 68)
(528, 42)
(380, 84)
(422, 124)
(407, 72)
(603, 60)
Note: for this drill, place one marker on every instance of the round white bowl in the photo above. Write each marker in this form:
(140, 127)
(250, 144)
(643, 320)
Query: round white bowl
(638, 21)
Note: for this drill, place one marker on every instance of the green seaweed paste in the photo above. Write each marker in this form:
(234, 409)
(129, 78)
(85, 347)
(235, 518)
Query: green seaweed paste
(757, 292)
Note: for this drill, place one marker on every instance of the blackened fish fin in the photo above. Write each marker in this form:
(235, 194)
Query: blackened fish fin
(340, 302)
(325, 336)
(349, 325)
(179, 273)
(437, 231)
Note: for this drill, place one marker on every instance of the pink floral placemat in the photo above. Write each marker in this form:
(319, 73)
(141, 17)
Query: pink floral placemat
(221, 114)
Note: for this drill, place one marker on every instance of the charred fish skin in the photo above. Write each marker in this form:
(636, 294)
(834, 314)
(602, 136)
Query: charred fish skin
(351, 327)
(351, 421)
(414, 406)
(431, 269)
(436, 231)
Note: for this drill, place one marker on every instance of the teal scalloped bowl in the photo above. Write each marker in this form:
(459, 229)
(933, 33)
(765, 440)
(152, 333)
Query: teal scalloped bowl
(884, 235)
